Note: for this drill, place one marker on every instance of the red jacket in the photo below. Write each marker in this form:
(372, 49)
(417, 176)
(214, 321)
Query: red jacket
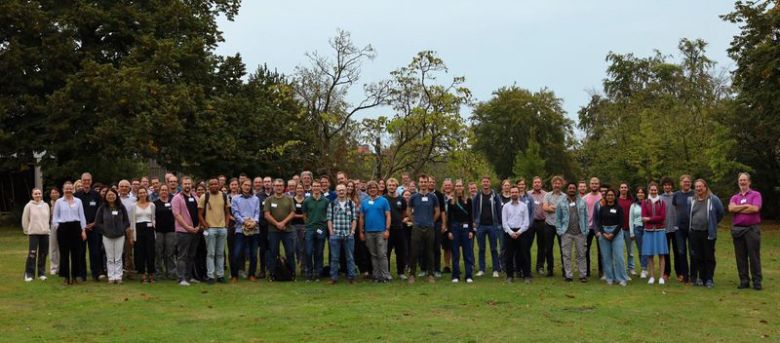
(657, 214)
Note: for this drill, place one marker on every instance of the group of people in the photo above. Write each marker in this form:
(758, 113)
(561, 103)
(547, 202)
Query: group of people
(180, 230)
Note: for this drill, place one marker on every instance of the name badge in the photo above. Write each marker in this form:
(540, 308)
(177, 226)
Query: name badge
(191, 199)
(167, 204)
(297, 205)
(149, 224)
(92, 203)
(571, 204)
(425, 199)
(743, 201)
(319, 231)
(307, 194)
(263, 204)
(40, 205)
(465, 226)
(273, 204)
(325, 194)
(536, 202)
(371, 202)
(398, 203)
(114, 212)
(613, 210)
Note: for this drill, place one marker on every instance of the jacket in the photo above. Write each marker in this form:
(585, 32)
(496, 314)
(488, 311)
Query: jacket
(495, 205)
(657, 214)
(714, 215)
(35, 218)
(562, 215)
(109, 224)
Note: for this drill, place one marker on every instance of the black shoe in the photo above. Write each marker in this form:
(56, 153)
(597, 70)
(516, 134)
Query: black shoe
(261, 275)
(698, 283)
(583, 279)
(757, 286)
(568, 279)
(509, 280)
(710, 284)
(549, 274)
(743, 285)
(210, 281)
(221, 280)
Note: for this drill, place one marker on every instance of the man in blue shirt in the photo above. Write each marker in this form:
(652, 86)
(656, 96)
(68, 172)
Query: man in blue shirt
(424, 211)
(374, 224)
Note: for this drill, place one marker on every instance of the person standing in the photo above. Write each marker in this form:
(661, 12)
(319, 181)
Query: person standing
(458, 219)
(544, 250)
(279, 210)
(625, 200)
(299, 224)
(246, 213)
(342, 222)
(69, 216)
(487, 218)
(592, 199)
(446, 241)
(654, 237)
(571, 225)
(315, 215)
(424, 211)
(680, 201)
(609, 222)
(113, 223)
(142, 219)
(128, 200)
(54, 246)
(91, 200)
(35, 224)
(514, 219)
(637, 227)
(165, 238)
(671, 217)
(185, 211)
(746, 206)
(438, 228)
(213, 216)
(397, 239)
(705, 214)
(550, 232)
(374, 224)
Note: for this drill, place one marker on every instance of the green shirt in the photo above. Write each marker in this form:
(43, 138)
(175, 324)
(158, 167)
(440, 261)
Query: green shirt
(316, 212)
(280, 208)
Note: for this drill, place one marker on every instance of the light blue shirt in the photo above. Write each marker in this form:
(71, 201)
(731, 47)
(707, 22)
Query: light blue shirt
(65, 212)
(245, 207)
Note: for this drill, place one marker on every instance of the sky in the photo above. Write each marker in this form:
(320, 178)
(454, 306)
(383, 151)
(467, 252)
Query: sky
(560, 45)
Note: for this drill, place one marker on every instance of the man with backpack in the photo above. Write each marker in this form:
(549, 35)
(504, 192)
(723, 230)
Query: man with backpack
(279, 210)
(341, 226)
(213, 215)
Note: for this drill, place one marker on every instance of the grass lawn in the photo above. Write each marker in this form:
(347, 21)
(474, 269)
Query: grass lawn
(487, 311)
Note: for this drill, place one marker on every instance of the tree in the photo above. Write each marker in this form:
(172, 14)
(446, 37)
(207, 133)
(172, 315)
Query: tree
(529, 163)
(755, 121)
(323, 86)
(505, 124)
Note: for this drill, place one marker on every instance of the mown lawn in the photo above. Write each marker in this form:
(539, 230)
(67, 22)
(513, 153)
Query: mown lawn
(487, 311)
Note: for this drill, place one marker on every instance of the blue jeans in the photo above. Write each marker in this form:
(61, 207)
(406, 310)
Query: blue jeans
(247, 245)
(288, 240)
(612, 257)
(215, 252)
(460, 239)
(315, 245)
(629, 250)
(490, 231)
(336, 243)
(638, 234)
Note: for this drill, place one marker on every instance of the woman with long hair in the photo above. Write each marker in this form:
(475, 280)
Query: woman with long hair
(165, 235)
(54, 247)
(35, 224)
(361, 255)
(654, 240)
(113, 223)
(609, 222)
(459, 221)
(637, 227)
(69, 215)
(142, 218)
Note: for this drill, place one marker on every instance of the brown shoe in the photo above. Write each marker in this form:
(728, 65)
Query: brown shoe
(251, 278)
(431, 279)
(151, 278)
(411, 279)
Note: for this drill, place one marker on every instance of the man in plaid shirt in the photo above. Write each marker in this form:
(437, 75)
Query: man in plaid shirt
(341, 225)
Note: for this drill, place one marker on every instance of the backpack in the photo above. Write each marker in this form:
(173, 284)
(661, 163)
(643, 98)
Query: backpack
(224, 199)
(281, 272)
(349, 207)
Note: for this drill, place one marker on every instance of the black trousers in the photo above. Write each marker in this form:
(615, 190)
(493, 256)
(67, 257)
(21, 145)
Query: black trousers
(143, 250)
(704, 254)
(38, 248)
(263, 248)
(671, 241)
(591, 235)
(239, 263)
(397, 241)
(517, 254)
(545, 242)
(747, 249)
(362, 257)
(69, 240)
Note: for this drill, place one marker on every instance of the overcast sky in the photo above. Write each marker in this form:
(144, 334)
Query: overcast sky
(556, 44)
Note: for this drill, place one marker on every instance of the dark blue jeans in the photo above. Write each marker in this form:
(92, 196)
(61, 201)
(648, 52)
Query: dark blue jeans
(491, 232)
(460, 240)
(336, 243)
(97, 256)
(682, 236)
(288, 240)
(315, 245)
(244, 246)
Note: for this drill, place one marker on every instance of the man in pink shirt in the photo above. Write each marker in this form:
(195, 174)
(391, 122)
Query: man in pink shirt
(591, 199)
(185, 212)
(746, 207)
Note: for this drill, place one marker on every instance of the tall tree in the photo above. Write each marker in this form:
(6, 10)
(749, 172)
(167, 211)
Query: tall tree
(755, 122)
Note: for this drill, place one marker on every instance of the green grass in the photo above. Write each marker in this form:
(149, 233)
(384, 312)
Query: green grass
(488, 310)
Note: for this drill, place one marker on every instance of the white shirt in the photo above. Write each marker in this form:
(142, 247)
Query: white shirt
(515, 215)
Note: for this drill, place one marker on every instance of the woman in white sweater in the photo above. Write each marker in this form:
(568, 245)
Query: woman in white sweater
(35, 224)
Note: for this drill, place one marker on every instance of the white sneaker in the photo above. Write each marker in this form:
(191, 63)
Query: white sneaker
(609, 282)
(480, 273)
(495, 274)
(469, 280)
(455, 280)
(643, 275)
(27, 278)
(603, 278)
(651, 281)
(629, 278)
(403, 277)
(184, 283)
(661, 281)
(42, 278)
(632, 272)
(623, 283)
